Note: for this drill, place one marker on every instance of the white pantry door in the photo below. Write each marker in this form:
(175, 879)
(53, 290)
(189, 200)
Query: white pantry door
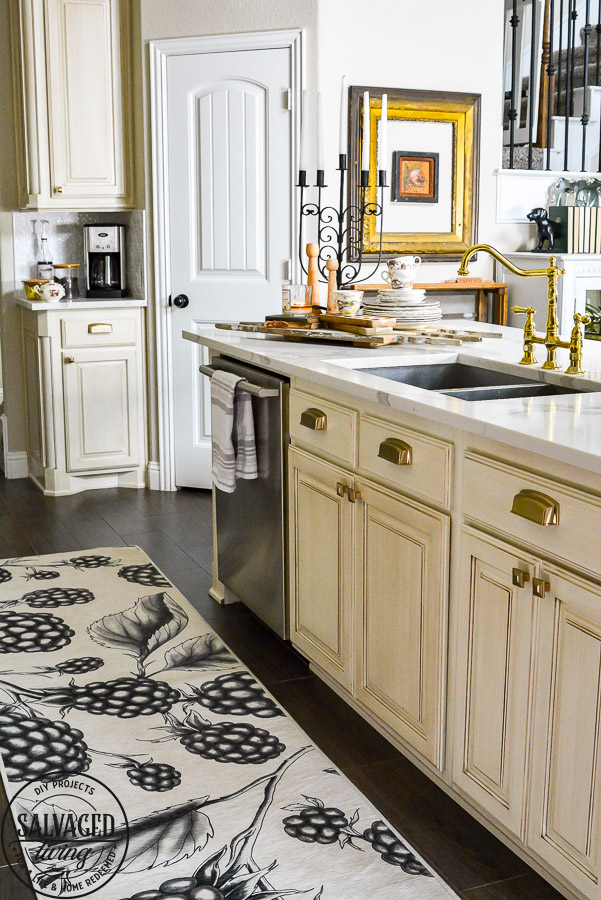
(229, 147)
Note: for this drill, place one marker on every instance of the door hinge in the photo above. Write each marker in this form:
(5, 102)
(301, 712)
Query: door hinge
(287, 97)
(287, 274)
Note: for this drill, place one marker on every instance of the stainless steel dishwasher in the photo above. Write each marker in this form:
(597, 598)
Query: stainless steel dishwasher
(251, 528)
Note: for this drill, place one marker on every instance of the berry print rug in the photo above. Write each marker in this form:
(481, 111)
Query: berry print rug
(108, 673)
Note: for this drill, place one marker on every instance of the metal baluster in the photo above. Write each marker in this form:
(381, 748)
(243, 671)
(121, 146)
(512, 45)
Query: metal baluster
(573, 17)
(559, 59)
(550, 76)
(585, 117)
(531, 85)
(569, 65)
(514, 21)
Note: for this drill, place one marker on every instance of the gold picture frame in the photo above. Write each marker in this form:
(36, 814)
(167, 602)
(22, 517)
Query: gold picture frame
(463, 112)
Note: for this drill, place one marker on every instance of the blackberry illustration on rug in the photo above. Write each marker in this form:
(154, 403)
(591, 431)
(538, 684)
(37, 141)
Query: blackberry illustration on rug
(225, 797)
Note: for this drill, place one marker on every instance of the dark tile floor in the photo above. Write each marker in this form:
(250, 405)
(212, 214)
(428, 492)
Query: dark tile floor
(175, 530)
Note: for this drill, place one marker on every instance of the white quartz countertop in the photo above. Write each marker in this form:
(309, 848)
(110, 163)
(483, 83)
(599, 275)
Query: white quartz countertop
(566, 427)
(41, 305)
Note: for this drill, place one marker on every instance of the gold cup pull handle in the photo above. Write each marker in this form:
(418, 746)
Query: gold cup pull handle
(519, 577)
(100, 328)
(540, 587)
(314, 419)
(535, 506)
(396, 451)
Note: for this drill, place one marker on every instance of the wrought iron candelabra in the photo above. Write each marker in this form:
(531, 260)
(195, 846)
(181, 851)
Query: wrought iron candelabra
(340, 230)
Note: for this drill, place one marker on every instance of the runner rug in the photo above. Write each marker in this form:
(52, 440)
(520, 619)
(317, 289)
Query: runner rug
(143, 760)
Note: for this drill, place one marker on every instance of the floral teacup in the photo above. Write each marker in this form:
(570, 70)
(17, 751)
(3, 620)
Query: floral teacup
(50, 292)
(401, 271)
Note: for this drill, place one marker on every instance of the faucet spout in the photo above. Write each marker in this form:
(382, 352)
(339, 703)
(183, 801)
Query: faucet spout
(486, 248)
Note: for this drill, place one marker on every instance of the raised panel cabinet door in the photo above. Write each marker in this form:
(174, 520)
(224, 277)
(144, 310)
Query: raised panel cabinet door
(493, 677)
(87, 97)
(564, 822)
(102, 397)
(322, 570)
(403, 561)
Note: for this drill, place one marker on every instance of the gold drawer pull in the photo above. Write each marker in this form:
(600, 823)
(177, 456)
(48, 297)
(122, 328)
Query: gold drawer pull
(536, 507)
(540, 587)
(69, 359)
(341, 489)
(354, 495)
(100, 328)
(519, 577)
(314, 419)
(396, 451)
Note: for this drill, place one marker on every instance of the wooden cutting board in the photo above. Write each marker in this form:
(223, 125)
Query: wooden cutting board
(333, 320)
(321, 334)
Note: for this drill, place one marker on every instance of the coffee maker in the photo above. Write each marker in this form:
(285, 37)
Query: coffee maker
(104, 253)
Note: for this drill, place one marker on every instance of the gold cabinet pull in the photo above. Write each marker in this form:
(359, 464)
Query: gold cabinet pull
(314, 419)
(536, 507)
(69, 359)
(519, 577)
(540, 587)
(100, 328)
(396, 451)
(58, 190)
(341, 489)
(354, 495)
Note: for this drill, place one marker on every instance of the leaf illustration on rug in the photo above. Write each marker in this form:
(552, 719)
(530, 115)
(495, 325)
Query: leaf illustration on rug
(51, 597)
(204, 652)
(314, 823)
(141, 629)
(237, 694)
(34, 747)
(147, 575)
(225, 742)
(33, 633)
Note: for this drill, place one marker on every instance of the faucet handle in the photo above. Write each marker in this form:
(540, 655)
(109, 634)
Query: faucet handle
(528, 358)
(578, 318)
(527, 310)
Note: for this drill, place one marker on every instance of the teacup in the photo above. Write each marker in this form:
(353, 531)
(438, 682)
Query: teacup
(30, 286)
(51, 291)
(401, 271)
(348, 302)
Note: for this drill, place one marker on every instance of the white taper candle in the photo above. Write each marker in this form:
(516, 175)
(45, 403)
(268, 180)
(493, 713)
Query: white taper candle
(320, 157)
(304, 134)
(382, 145)
(343, 142)
(366, 133)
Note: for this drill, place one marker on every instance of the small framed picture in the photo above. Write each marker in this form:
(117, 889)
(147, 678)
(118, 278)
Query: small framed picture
(414, 177)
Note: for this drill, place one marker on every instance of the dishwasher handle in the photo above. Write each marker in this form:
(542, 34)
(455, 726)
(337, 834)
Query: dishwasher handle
(253, 389)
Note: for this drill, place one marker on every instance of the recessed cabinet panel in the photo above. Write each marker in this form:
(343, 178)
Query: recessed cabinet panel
(401, 617)
(321, 577)
(564, 822)
(492, 690)
(35, 442)
(101, 397)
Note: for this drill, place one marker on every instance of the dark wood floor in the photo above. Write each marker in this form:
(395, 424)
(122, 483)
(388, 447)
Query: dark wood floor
(175, 530)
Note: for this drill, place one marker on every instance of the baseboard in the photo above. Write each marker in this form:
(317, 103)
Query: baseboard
(16, 465)
(154, 476)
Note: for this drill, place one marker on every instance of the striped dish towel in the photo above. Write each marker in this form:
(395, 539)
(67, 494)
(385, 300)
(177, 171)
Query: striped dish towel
(233, 430)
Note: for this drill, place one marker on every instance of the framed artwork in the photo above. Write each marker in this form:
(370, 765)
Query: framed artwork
(431, 202)
(414, 177)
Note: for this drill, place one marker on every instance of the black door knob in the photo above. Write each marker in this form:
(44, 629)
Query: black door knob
(180, 301)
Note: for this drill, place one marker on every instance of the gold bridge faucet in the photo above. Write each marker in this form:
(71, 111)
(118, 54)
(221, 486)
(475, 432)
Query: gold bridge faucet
(551, 339)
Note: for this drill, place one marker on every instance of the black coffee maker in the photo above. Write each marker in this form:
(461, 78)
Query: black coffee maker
(104, 248)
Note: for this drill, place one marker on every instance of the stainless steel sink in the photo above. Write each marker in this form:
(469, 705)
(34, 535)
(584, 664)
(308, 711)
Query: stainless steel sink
(469, 382)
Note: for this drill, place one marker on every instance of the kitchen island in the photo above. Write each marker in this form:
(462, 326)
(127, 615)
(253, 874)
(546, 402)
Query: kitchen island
(444, 575)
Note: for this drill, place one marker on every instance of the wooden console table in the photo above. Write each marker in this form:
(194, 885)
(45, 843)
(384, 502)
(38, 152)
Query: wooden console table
(482, 290)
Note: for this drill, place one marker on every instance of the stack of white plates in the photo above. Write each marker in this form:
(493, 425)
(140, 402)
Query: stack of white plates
(407, 306)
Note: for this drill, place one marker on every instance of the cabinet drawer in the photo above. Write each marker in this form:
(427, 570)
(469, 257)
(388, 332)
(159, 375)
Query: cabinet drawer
(425, 467)
(489, 494)
(99, 330)
(325, 426)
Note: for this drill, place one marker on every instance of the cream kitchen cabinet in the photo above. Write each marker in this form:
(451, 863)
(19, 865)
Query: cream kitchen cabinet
(85, 389)
(369, 594)
(401, 616)
(492, 690)
(72, 65)
(321, 569)
(564, 814)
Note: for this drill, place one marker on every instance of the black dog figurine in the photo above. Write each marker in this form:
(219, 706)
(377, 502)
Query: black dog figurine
(544, 227)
